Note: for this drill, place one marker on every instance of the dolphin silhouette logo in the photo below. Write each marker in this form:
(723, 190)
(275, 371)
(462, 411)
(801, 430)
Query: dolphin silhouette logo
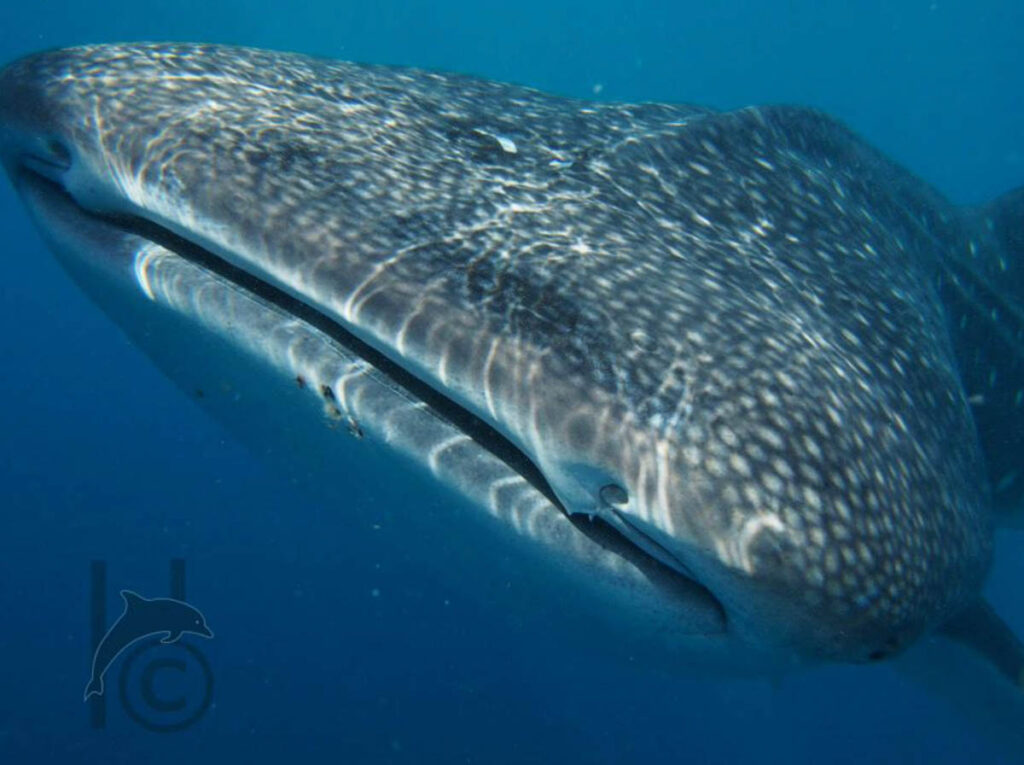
(141, 618)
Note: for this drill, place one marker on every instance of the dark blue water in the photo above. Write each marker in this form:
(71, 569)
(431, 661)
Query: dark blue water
(325, 648)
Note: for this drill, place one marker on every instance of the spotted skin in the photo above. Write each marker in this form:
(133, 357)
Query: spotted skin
(734, 320)
(982, 286)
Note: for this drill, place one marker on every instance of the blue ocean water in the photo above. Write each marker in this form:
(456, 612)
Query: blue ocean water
(327, 648)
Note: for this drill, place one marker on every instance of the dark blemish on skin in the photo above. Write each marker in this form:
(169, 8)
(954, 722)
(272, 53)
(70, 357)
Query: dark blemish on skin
(333, 412)
(354, 428)
(300, 381)
(327, 393)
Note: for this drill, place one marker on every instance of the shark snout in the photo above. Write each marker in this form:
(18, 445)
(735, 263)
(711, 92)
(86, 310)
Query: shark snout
(30, 122)
(49, 130)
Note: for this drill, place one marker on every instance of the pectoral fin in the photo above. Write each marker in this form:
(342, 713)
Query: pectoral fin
(974, 664)
(982, 631)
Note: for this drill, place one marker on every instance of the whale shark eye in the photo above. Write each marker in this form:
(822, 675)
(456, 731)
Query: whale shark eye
(614, 495)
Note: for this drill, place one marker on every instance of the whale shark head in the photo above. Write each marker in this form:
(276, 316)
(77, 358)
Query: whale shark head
(718, 333)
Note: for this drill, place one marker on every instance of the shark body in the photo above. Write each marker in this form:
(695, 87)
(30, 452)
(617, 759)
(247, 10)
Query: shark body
(713, 369)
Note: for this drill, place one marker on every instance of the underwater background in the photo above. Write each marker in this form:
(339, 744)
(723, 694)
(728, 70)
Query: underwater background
(327, 648)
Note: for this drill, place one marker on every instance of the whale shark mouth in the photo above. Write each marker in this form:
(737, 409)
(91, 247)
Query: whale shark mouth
(38, 180)
(464, 420)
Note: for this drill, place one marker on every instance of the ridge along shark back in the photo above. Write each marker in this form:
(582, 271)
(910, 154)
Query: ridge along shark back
(745, 387)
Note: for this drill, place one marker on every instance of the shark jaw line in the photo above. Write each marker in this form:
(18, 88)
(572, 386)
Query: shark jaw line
(415, 388)
(630, 542)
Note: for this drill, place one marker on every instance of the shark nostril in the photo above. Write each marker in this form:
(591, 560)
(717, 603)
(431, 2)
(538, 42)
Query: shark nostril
(58, 153)
(49, 157)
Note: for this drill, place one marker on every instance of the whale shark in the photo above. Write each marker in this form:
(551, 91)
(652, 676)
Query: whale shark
(745, 388)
